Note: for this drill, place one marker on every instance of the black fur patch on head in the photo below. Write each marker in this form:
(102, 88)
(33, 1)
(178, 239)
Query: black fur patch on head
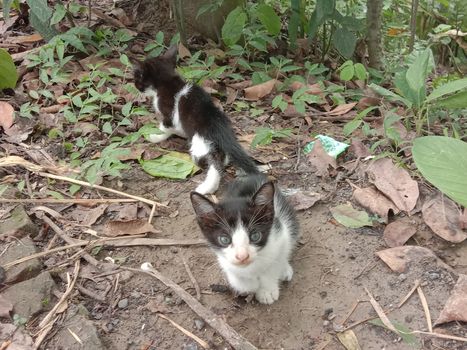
(255, 213)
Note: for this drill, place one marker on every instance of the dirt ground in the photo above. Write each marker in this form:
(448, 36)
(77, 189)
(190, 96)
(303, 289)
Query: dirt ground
(332, 267)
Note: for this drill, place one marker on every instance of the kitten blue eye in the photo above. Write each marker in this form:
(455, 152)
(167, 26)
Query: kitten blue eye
(255, 237)
(224, 240)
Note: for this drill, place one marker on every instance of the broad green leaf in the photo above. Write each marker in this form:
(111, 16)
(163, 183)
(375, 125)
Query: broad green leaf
(448, 88)
(8, 74)
(173, 165)
(39, 16)
(351, 126)
(391, 96)
(360, 71)
(263, 137)
(294, 23)
(269, 19)
(458, 100)
(443, 162)
(350, 217)
(347, 73)
(323, 10)
(59, 13)
(417, 73)
(344, 41)
(233, 26)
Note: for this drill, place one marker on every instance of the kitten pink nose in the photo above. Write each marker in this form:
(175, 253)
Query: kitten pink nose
(242, 255)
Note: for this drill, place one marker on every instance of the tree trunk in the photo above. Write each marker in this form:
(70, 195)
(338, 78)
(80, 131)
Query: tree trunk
(413, 24)
(170, 16)
(373, 18)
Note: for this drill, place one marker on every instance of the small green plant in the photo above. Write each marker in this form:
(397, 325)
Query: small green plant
(264, 136)
(349, 71)
(18, 320)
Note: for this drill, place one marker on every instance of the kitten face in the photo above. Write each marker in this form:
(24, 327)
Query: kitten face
(237, 228)
(154, 72)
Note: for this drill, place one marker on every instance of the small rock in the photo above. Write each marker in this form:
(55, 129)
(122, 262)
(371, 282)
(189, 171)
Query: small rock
(18, 224)
(199, 324)
(190, 346)
(331, 316)
(323, 294)
(434, 275)
(32, 296)
(402, 277)
(326, 323)
(408, 318)
(123, 303)
(327, 312)
(25, 270)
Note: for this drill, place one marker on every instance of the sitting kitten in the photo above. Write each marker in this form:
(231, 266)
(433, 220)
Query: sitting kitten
(253, 232)
(188, 111)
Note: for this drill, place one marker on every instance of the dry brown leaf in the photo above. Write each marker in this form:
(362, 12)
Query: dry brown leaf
(6, 115)
(442, 216)
(231, 95)
(124, 211)
(463, 220)
(302, 200)
(349, 340)
(395, 183)
(320, 159)
(455, 308)
(5, 307)
(400, 258)
(183, 51)
(25, 39)
(241, 85)
(88, 216)
(398, 232)
(157, 305)
(368, 101)
(374, 201)
(256, 92)
(135, 152)
(359, 149)
(132, 227)
(342, 109)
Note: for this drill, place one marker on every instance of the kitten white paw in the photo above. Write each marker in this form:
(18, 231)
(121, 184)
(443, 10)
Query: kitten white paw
(156, 138)
(206, 188)
(267, 296)
(287, 274)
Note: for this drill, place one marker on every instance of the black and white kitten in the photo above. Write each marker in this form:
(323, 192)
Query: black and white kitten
(253, 231)
(188, 111)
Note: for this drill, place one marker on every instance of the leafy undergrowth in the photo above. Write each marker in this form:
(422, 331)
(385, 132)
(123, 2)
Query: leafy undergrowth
(75, 112)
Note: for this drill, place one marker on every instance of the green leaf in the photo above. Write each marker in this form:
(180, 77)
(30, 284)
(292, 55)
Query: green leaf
(263, 137)
(233, 26)
(323, 10)
(39, 16)
(347, 73)
(126, 110)
(351, 126)
(448, 88)
(360, 71)
(8, 74)
(417, 73)
(173, 165)
(344, 41)
(59, 14)
(404, 332)
(348, 216)
(294, 23)
(458, 100)
(55, 194)
(107, 128)
(276, 101)
(6, 9)
(391, 96)
(443, 162)
(269, 19)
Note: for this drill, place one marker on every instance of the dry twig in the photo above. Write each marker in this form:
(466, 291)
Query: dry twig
(403, 301)
(186, 332)
(381, 314)
(227, 332)
(425, 308)
(192, 278)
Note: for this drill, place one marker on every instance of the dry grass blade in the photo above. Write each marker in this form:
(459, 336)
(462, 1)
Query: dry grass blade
(192, 278)
(379, 310)
(409, 294)
(81, 201)
(186, 332)
(74, 335)
(443, 336)
(15, 160)
(425, 308)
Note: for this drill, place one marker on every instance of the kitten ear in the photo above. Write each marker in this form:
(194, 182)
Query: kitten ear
(265, 194)
(171, 55)
(201, 204)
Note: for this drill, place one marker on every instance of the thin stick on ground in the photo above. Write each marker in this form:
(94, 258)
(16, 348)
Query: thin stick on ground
(443, 336)
(186, 332)
(192, 278)
(82, 201)
(354, 306)
(381, 314)
(46, 324)
(219, 325)
(409, 294)
(425, 308)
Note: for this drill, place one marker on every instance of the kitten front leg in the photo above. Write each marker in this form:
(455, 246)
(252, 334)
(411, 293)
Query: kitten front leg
(166, 133)
(214, 174)
(268, 291)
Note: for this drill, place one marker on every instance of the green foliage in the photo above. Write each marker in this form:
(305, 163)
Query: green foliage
(344, 41)
(350, 217)
(264, 136)
(407, 336)
(269, 19)
(349, 70)
(233, 26)
(443, 162)
(8, 74)
(354, 124)
(40, 15)
(173, 165)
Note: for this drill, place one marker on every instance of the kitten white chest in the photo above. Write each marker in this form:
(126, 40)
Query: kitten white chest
(176, 111)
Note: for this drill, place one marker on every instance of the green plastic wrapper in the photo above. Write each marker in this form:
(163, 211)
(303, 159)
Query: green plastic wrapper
(331, 146)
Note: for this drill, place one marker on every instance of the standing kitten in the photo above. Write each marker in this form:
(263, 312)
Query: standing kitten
(253, 232)
(188, 111)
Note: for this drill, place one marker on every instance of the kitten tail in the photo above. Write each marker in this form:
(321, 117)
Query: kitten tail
(237, 154)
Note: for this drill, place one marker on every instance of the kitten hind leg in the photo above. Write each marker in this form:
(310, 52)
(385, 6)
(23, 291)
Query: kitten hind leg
(166, 133)
(214, 174)
(287, 273)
